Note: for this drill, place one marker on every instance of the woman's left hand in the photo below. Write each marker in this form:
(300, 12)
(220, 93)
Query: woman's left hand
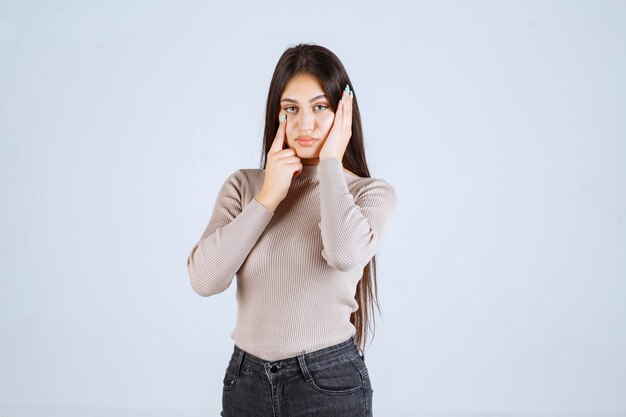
(341, 130)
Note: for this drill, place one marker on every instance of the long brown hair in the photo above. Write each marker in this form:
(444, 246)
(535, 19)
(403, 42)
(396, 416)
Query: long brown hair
(324, 64)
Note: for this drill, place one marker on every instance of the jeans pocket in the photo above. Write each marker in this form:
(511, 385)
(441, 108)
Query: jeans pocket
(230, 379)
(338, 379)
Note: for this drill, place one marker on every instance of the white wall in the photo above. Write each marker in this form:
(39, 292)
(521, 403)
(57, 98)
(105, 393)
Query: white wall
(500, 124)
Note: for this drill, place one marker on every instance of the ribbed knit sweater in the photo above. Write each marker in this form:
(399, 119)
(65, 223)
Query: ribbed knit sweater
(297, 268)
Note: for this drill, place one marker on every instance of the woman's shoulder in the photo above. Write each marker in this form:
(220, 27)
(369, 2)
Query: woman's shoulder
(242, 183)
(366, 180)
(372, 186)
(246, 173)
(251, 174)
(246, 178)
(242, 177)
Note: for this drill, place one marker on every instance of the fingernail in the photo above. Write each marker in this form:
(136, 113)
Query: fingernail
(347, 88)
(342, 99)
(351, 95)
(283, 117)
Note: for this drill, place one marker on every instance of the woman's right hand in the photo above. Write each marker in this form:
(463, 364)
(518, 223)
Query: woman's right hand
(282, 165)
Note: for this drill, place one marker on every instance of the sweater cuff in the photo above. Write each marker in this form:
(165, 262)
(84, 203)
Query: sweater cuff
(331, 172)
(330, 162)
(260, 211)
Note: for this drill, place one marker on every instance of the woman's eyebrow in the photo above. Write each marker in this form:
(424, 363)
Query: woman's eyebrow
(296, 101)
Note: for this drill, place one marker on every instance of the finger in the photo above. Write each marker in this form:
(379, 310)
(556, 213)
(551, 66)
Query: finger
(279, 139)
(345, 96)
(299, 171)
(292, 161)
(341, 118)
(343, 108)
(287, 157)
(351, 99)
(348, 107)
(339, 112)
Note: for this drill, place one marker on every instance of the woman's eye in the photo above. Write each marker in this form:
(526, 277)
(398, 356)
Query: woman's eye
(323, 107)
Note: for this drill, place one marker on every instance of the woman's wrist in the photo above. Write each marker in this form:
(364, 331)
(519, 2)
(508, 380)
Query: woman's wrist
(265, 202)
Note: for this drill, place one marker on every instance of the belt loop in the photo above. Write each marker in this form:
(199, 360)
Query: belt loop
(238, 361)
(361, 353)
(305, 369)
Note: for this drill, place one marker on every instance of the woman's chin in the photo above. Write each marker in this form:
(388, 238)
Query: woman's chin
(306, 152)
(308, 155)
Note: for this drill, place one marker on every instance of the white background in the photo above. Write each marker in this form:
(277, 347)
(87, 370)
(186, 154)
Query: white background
(501, 126)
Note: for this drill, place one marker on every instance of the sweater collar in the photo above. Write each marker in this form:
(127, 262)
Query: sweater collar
(312, 171)
(309, 171)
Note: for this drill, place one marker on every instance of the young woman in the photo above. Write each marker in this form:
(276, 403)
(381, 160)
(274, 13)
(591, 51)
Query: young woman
(300, 234)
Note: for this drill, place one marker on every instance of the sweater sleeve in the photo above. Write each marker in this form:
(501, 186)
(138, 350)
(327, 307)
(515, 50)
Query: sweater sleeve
(228, 238)
(352, 227)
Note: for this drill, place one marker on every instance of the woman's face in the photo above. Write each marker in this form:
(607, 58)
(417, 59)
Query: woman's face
(308, 114)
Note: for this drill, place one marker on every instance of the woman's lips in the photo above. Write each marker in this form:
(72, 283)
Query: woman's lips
(306, 141)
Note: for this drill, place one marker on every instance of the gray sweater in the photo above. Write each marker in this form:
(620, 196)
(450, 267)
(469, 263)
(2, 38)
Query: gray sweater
(297, 268)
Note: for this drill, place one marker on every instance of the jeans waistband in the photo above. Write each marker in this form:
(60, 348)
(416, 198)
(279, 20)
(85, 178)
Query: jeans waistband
(318, 359)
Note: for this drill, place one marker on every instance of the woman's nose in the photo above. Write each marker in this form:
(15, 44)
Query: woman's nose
(307, 121)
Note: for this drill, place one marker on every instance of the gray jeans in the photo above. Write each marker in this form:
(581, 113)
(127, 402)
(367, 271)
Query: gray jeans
(330, 382)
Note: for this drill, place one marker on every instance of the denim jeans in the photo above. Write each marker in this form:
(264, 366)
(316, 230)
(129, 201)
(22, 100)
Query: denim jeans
(330, 382)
